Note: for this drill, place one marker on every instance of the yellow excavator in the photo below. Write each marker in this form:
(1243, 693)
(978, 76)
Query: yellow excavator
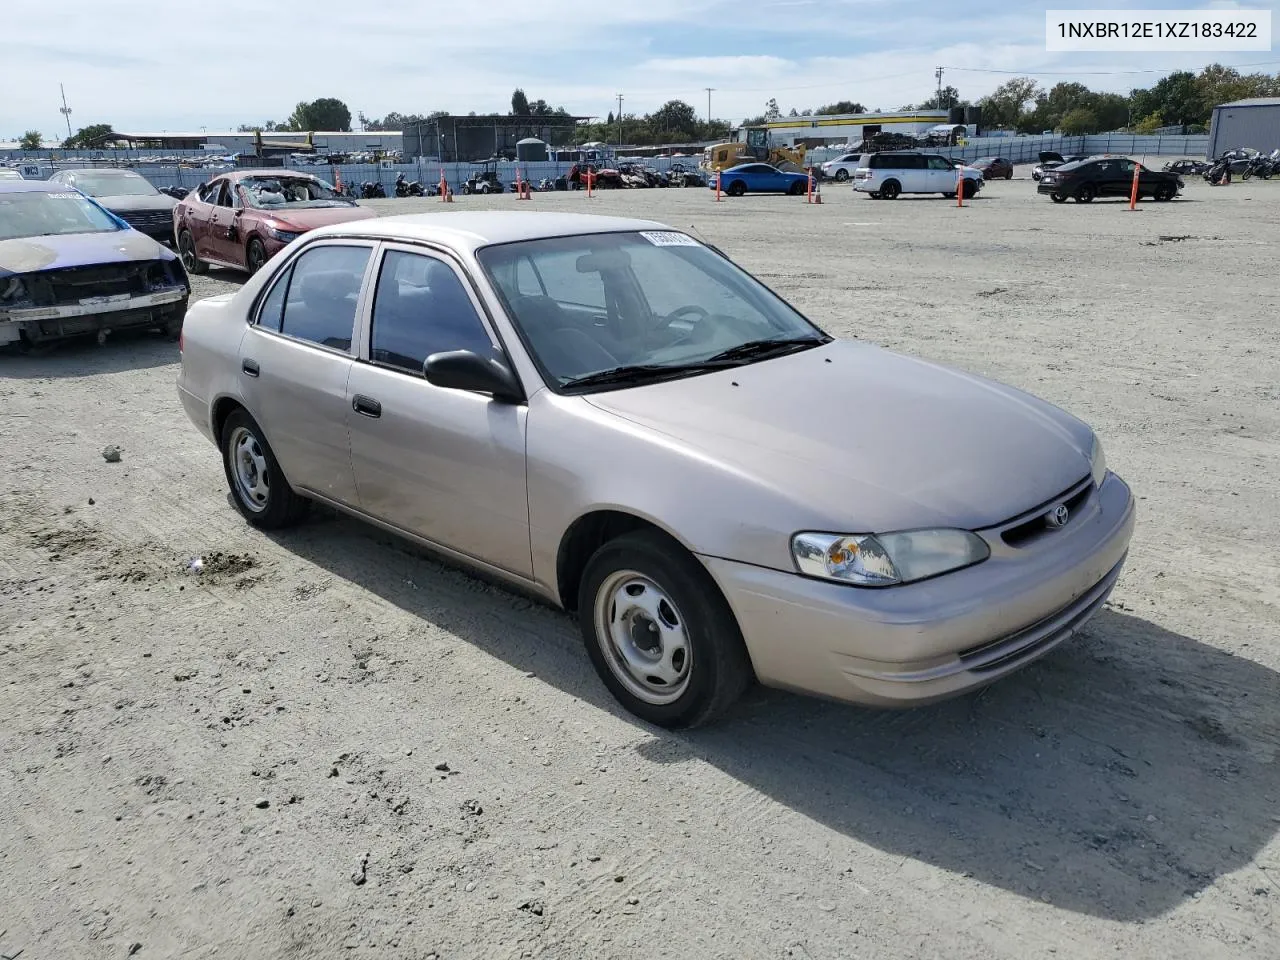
(757, 147)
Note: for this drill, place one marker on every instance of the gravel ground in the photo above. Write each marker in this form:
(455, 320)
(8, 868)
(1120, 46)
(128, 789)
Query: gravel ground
(327, 744)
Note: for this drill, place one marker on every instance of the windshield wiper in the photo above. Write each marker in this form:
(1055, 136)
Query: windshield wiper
(769, 347)
(642, 372)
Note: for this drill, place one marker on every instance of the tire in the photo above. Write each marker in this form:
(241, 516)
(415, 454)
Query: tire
(970, 191)
(1086, 193)
(250, 466)
(466, 189)
(890, 189)
(737, 189)
(796, 189)
(187, 251)
(674, 598)
(1009, 175)
(842, 175)
(949, 196)
(255, 255)
(485, 188)
(1057, 198)
(1164, 193)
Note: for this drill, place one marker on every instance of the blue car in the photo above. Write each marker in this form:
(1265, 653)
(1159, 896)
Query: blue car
(759, 178)
(69, 267)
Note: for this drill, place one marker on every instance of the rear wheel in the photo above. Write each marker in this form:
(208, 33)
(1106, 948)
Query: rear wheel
(187, 251)
(1057, 198)
(891, 189)
(842, 175)
(1086, 193)
(258, 487)
(659, 632)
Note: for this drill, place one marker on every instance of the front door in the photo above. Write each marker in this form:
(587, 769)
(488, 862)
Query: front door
(942, 176)
(222, 241)
(447, 465)
(296, 359)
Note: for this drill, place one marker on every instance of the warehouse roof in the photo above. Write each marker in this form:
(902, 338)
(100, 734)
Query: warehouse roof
(1254, 102)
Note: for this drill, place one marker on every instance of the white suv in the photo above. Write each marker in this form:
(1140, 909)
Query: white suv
(891, 173)
(841, 168)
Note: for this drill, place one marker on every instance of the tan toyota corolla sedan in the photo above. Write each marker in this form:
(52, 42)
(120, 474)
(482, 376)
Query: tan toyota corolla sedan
(613, 415)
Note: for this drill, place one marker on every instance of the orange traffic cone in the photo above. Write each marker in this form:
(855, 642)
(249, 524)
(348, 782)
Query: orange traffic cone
(817, 190)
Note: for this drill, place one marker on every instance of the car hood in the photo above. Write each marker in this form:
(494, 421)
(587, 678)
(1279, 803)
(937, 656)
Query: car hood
(1050, 156)
(875, 440)
(29, 254)
(136, 204)
(311, 218)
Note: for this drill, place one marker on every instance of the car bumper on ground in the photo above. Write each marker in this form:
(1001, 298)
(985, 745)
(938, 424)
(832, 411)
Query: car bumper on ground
(93, 315)
(913, 644)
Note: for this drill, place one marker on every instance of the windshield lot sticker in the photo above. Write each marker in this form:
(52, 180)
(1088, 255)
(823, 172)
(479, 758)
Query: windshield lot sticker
(669, 239)
(64, 196)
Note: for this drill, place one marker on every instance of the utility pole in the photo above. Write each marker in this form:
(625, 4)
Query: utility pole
(938, 73)
(65, 110)
(619, 119)
(709, 90)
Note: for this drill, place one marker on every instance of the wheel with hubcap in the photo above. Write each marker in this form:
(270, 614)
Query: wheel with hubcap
(890, 189)
(842, 175)
(1057, 198)
(970, 189)
(737, 189)
(1085, 194)
(1165, 192)
(797, 188)
(255, 255)
(659, 632)
(258, 487)
(187, 251)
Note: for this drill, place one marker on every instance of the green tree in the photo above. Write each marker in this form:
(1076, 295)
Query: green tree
(1078, 121)
(519, 103)
(94, 135)
(31, 140)
(944, 100)
(675, 117)
(1005, 106)
(840, 106)
(771, 109)
(1111, 109)
(327, 113)
(1149, 124)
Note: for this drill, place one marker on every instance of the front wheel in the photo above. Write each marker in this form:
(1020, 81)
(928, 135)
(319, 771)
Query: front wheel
(187, 251)
(1057, 198)
(1164, 192)
(797, 188)
(659, 632)
(737, 189)
(842, 175)
(258, 487)
(970, 189)
(255, 256)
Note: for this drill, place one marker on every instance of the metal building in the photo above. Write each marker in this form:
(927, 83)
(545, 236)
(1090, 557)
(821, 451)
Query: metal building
(1245, 123)
(456, 138)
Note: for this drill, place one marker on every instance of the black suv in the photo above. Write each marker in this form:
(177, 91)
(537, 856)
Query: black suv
(1106, 177)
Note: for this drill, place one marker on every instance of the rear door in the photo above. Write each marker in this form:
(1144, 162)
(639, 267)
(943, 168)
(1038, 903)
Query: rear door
(447, 465)
(221, 238)
(295, 361)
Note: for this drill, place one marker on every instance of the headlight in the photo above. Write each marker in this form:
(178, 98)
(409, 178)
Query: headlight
(284, 236)
(885, 559)
(1097, 462)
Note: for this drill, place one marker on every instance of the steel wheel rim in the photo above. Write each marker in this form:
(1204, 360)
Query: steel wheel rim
(249, 470)
(643, 637)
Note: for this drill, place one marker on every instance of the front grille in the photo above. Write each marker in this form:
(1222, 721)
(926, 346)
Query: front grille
(1046, 632)
(147, 219)
(58, 287)
(1036, 525)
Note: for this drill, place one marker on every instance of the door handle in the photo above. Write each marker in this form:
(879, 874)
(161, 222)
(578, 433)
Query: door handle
(366, 406)
(250, 367)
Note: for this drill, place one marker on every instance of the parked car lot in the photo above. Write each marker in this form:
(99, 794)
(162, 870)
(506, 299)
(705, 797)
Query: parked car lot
(1120, 793)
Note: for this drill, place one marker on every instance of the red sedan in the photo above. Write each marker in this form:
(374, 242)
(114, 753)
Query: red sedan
(994, 168)
(242, 219)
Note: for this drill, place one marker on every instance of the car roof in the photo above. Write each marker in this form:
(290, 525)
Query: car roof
(31, 186)
(470, 231)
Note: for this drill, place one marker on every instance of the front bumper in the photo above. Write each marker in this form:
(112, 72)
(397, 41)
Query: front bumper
(913, 644)
(92, 315)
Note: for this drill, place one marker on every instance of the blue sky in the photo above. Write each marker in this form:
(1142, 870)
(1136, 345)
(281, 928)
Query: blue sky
(239, 61)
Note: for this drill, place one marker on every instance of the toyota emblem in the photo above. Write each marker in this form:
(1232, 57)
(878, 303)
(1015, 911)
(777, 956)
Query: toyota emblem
(1058, 516)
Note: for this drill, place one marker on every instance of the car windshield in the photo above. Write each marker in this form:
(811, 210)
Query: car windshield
(114, 185)
(41, 214)
(643, 305)
(272, 193)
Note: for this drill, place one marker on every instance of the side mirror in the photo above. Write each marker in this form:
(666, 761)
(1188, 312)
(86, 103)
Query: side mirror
(464, 370)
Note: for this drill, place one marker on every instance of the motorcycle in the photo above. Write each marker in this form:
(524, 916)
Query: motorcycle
(1220, 173)
(1260, 165)
(372, 190)
(408, 188)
